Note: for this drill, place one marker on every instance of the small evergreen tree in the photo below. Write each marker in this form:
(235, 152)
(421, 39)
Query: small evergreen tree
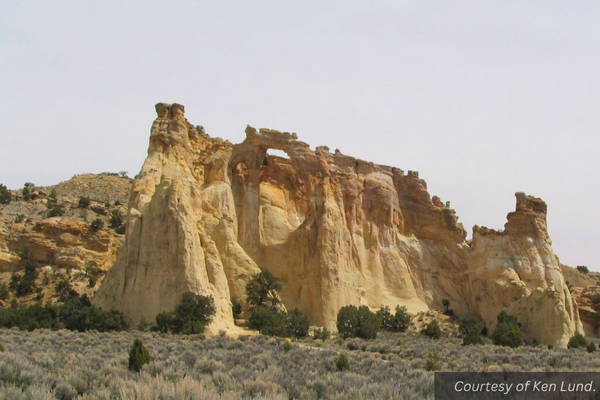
(591, 348)
(116, 219)
(577, 341)
(508, 332)
(52, 200)
(236, 308)
(297, 324)
(193, 314)
(583, 269)
(342, 362)
(84, 202)
(26, 191)
(262, 290)
(5, 195)
(163, 321)
(96, 225)
(138, 356)
(357, 322)
(432, 330)
(469, 328)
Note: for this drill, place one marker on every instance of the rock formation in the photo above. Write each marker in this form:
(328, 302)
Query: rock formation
(204, 215)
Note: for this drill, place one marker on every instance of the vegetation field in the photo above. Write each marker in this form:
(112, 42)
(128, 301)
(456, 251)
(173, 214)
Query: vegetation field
(62, 364)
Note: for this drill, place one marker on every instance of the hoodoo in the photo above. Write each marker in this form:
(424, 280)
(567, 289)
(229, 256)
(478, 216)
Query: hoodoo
(205, 215)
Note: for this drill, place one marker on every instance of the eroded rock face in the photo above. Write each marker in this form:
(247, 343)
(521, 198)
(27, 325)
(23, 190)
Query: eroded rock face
(205, 215)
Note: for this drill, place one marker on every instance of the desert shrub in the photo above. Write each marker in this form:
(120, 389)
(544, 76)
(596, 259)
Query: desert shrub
(5, 195)
(121, 230)
(287, 345)
(469, 328)
(357, 322)
(508, 332)
(1, 348)
(279, 323)
(52, 200)
(84, 202)
(236, 308)
(25, 284)
(138, 356)
(96, 225)
(397, 322)
(342, 363)
(116, 219)
(3, 291)
(193, 314)
(577, 341)
(583, 269)
(297, 324)
(267, 321)
(321, 334)
(19, 218)
(433, 362)
(56, 211)
(591, 348)
(77, 313)
(26, 192)
(262, 290)
(64, 289)
(432, 330)
(163, 321)
(30, 318)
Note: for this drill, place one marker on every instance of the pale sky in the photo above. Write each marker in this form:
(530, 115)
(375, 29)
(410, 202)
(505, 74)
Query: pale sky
(484, 98)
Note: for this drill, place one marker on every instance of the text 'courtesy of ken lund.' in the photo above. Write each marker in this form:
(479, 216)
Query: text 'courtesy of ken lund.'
(517, 385)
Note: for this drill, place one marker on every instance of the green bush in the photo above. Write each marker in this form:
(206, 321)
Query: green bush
(96, 225)
(163, 321)
(583, 269)
(322, 334)
(19, 218)
(52, 200)
(469, 328)
(5, 195)
(56, 211)
(138, 356)
(3, 291)
(591, 348)
(26, 192)
(267, 321)
(78, 314)
(116, 219)
(24, 284)
(1, 349)
(297, 324)
(84, 202)
(279, 323)
(508, 332)
(342, 362)
(432, 330)
(577, 341)
(357, 322)
(121, 230)
(236, 308)
(262, 290)
(64, 290)
(397, 322)
(193, 314)
(433, 362)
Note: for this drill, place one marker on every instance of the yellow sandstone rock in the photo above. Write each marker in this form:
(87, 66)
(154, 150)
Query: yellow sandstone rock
(205, 215)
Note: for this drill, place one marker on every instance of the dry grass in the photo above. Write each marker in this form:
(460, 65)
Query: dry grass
(70, 365)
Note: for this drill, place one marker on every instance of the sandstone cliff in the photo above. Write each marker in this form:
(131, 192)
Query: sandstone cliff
(204, 215)
(63, 246)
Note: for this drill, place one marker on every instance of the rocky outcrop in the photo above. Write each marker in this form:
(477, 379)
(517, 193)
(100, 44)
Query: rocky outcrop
(205, 215)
